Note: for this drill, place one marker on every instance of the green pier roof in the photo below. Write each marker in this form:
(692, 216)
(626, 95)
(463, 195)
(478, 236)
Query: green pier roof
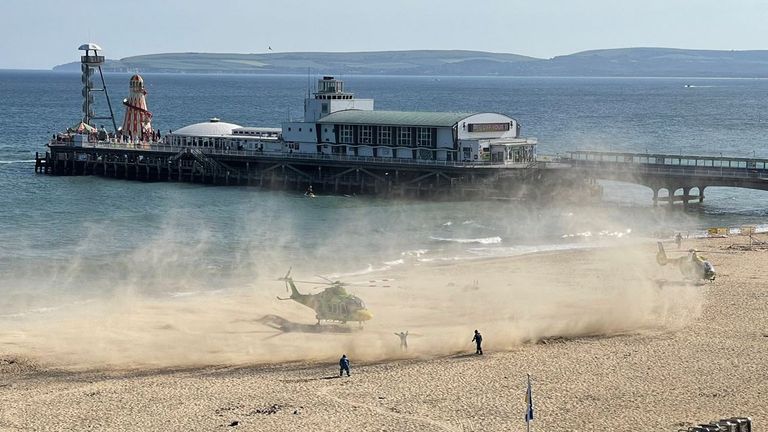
(394, 118)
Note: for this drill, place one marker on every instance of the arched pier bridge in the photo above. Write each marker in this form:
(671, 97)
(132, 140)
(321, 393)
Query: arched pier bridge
(671, 173)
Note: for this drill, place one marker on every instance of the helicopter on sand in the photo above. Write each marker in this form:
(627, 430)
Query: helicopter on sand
(693, 266)
(334, 303)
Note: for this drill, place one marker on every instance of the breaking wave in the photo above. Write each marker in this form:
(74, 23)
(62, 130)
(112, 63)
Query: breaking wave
(5, 162)
(484, 240)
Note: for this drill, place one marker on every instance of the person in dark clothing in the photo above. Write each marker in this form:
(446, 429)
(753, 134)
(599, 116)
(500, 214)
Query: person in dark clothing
(343, 365)
(678, 240)
(403, 340)
(478, 340)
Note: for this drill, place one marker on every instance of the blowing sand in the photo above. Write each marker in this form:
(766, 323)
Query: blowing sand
(608, 345)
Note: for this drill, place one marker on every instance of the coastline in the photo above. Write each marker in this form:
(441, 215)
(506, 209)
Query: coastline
(614, 351)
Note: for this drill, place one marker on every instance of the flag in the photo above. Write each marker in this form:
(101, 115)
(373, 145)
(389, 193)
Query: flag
(529, 402)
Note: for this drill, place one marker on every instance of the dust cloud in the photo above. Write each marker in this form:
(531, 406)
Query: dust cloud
(511, 300)
(194, 295)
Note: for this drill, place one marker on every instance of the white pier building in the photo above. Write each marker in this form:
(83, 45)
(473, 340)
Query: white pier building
(336, 123)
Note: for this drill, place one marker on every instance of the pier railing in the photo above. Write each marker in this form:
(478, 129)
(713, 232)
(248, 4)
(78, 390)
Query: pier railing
(666, 164)
(296, 156)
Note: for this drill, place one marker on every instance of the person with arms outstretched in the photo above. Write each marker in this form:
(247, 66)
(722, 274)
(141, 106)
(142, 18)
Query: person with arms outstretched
(403, 340)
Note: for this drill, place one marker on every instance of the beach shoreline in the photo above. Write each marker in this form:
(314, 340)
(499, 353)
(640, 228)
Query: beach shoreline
(607, 348)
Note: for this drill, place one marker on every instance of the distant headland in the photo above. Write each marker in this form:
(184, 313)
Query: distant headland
(621, 62)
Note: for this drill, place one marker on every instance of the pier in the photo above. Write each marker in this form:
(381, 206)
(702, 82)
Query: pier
(336, 174)
(687, 174)
(683, 178)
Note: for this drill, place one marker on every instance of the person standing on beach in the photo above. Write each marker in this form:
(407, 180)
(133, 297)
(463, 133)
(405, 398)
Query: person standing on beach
(478, 340)
(343, 365)
(678, 240)
(403, 340)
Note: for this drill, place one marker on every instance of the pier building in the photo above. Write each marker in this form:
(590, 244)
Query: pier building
(337, 123)
(218, 135)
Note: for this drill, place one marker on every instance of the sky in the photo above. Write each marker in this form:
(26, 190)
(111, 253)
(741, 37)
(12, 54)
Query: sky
(51, 30)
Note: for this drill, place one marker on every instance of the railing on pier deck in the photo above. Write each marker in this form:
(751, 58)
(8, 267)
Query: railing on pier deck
(667, 164)
(669, 159)
(295, 156)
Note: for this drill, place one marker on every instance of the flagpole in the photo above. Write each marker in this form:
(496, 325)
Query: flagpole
(528, 397)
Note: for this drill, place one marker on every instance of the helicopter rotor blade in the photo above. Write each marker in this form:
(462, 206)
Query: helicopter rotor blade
(313, 282)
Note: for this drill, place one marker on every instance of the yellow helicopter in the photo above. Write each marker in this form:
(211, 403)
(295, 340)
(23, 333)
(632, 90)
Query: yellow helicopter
(693, 266)
(334, 303)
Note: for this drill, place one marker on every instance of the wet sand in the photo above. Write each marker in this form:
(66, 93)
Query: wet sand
(609, 347)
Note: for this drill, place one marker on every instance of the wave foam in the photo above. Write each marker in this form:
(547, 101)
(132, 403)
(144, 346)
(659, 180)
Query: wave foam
(484, 240)
(16, 161)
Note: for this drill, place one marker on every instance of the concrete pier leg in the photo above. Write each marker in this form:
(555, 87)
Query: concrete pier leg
(655, 197)
(686, 196)
(701, 193)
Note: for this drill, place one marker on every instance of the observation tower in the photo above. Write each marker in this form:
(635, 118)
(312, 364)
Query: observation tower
(89, 63)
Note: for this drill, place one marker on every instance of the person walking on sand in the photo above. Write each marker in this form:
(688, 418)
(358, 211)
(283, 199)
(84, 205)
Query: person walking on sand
(403, 340)
(478, 340)
(678, 240)
(343, 365)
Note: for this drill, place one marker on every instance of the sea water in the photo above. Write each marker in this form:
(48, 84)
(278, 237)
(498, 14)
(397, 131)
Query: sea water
(76, 238)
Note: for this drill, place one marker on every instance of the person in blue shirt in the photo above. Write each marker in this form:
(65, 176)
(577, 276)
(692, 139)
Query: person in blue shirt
(343, 365)
(478, 340)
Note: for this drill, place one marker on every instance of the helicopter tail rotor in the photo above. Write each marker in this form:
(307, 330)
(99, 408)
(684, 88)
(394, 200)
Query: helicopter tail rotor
(287, 275)
(285, 279)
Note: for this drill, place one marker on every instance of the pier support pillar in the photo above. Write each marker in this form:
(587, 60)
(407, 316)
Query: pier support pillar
(655, 197)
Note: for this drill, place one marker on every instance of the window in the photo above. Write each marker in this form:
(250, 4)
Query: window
(345, 136)
(385, 135)
(365, 134)
(405, 137)
(324, 108)
(425, 137)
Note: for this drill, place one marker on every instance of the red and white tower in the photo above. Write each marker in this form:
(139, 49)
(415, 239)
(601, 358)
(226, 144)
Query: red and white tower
(137, 123)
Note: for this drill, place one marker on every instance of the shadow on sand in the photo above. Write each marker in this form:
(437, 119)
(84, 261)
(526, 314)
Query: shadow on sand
(286, 326)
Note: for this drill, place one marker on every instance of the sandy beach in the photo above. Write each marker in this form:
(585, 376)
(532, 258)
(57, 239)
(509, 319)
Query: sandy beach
(612, 342)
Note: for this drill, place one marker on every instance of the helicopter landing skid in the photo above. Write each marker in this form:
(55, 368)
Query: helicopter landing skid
(286, 326)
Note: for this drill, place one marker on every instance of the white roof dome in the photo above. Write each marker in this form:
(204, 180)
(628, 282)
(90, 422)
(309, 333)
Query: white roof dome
(213, 127)
(89, 46)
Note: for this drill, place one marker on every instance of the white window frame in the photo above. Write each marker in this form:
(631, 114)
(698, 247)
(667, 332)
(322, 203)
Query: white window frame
(365, 134)
(345, 134)
(424, 137)
(405, 136)
(385, 135)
